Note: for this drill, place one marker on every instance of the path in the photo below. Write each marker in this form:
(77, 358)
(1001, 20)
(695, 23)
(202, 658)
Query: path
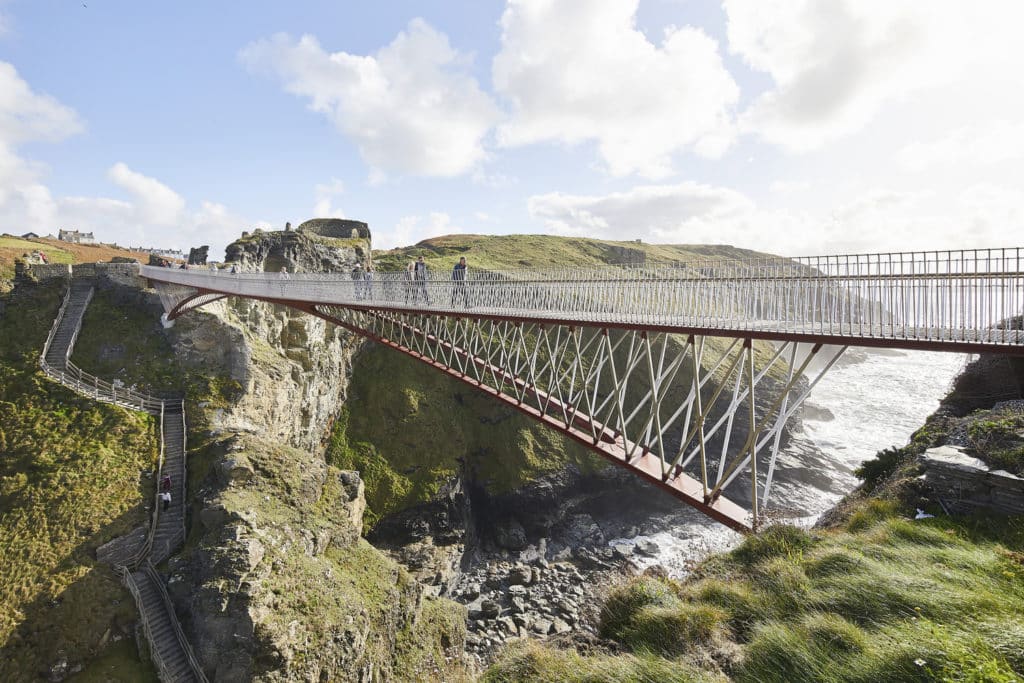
(170, 650)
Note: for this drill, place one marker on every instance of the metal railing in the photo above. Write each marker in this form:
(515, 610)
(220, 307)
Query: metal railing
(179, 634)
(93, 387)
(947, 296)
(163, 670)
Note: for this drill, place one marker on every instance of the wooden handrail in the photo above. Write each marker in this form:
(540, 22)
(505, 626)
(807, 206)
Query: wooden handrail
(175, 624)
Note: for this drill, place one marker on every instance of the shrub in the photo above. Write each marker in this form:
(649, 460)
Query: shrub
(781, 540)
(873, 472)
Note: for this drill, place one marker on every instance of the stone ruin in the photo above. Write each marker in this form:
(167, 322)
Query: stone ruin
(336, 228)
(197, 255)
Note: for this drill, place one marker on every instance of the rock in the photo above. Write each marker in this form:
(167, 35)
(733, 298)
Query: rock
(517, 590)
(559, 626)
(517, 605)
(510, 535)
(647, 548)
(471, 591)
(520, 575)
(623, 551)
(509, 625)
(541, 627)
(966, 484)
(490, 609)
(582, 530)
(235, 470)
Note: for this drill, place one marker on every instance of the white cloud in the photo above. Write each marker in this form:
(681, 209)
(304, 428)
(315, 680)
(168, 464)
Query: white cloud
(976, 145)
(837, 64)
(155, 203)
(983, 215)
(27, 116)
(325, 193)
(688, 212)
(576, 73)
(412, 229)
(412, 107)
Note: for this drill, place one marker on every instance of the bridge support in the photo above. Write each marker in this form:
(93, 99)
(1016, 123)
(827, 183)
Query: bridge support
(650, 402)
(701, 417)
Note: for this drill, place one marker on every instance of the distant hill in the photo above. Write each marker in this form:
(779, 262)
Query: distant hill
(12, 247)
(502, 252)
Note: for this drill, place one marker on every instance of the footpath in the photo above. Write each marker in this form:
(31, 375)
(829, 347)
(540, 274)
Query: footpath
(135, 556)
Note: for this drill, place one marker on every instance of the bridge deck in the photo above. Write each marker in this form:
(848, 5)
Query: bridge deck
(946, 304)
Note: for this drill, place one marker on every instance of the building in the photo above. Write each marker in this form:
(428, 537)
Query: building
(30, 236)
(76, 237)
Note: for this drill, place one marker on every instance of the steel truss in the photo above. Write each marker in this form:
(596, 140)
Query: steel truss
(649, 402)
(690, 414)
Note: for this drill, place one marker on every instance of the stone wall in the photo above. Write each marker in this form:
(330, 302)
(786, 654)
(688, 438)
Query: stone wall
(336, 228)
(964, 484)
(42, 272)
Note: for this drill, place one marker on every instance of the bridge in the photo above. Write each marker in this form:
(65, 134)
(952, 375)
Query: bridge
(595, 352)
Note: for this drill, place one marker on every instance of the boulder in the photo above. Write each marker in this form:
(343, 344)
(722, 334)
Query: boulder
(520, 575)
(490, 609)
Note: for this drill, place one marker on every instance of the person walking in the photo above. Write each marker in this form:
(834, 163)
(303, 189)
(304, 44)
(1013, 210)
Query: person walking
(459, 283)
(165, 483)
(421, 279)
(368, 281)
(165, 496)
(410, 275)
(357, 281)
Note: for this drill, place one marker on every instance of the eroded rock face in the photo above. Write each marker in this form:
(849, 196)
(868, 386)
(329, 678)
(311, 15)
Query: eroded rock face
(302, 252)
(279, 585)
(287, 370)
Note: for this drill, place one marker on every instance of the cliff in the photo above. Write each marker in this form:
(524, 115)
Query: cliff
(275, 582)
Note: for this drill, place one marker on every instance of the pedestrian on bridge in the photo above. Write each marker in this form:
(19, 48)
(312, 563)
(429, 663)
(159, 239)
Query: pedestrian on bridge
(357, 281)
(421, 279)
(410, 275)
(459, 283)
(368, 281)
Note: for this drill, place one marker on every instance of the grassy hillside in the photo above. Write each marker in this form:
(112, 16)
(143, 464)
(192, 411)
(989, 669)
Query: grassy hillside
(69, 481)
(56, 251)
(877, 597)
(497, 252)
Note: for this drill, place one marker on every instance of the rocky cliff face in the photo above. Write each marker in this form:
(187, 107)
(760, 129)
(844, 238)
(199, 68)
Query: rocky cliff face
(297, 251)
(278, 582)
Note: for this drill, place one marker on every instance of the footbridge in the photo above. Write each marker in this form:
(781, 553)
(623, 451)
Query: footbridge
(658, 368)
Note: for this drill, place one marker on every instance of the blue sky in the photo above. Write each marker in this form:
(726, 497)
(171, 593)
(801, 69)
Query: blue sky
(793, 126)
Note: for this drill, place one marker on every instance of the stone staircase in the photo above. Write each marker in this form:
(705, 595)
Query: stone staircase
(169, 648)
(69, 322)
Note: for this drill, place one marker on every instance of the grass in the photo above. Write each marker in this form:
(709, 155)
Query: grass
(502, 252)
(879, 596)
(125, 342)
(892, 600)
(532, 662)
(56, 251)
(69, 481)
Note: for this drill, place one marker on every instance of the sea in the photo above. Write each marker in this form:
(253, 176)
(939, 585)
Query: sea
(870, 400)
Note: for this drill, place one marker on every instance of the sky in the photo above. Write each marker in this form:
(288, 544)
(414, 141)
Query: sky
(796, 127)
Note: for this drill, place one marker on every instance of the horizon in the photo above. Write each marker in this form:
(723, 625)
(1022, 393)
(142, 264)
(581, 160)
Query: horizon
(807, 129)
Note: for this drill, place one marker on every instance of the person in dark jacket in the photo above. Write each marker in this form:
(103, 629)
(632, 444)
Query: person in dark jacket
(421, 279)
(459, 283)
